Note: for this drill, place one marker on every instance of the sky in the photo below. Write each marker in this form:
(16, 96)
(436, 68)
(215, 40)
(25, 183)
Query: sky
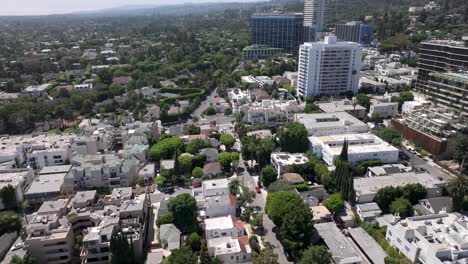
(47, 7)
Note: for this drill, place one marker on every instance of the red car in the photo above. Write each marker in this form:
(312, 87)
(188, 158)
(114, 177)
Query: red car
(197, 185)
(257, 189)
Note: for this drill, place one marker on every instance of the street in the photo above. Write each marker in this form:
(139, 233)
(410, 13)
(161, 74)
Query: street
(250, 182)
(429, 166)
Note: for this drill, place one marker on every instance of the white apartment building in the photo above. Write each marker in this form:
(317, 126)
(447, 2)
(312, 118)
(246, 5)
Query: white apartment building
(431, 239)
(363, 146)
(325, 124)
(220, 205)
(223, 226)
(36, 150)
(367, 188)
(19, 179)
(210, 188)
(97, 171)
(328, 68)
(282, 160)
(230, 249)
(50, 236)
(383, 106)
(48, 184)
(270, 112)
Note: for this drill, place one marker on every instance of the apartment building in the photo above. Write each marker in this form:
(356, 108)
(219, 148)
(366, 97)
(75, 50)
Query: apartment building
(260, 52)
(430, 127)
(367, 188)
(230, 249)
(282, 160)
(337, 123)
(383, 107)
(440, 56)
(341, 248)
(19, 179)
(48, 184)
(36, 150)
(346, 105)
(223, 226)
(50, 237)
(328, 67)
(449, 90)
(431, 239)
(270, 112)
(101, 171)
(363, 146)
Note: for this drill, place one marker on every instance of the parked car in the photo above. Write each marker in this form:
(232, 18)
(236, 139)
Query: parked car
(197, 185)
(17, 246)
(257, 189)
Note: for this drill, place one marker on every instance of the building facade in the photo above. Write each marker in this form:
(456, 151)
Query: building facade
(355, 32)
(440, 56)
(284, 31)
(328, 68)
(449, 90)
(314, 13)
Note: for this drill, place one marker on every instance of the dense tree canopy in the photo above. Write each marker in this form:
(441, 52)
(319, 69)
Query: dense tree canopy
(293, 138)
(184, 209)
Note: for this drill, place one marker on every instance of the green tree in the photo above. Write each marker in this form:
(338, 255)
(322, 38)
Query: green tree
(182, 255)
(195, 242)
(281, 203)
(191, 129)
(311, 108)
(461, 149)
(26, 259)
(9, 222)
(279, 185)
(316, 255)
(293, 138)
(166, 148)
(390, 135)
(210, 111)
(160, 180)
(197, 172)
(334, 203)
(385, 196)
(165, 219)
(401, 206)
(8, 196)
(226, 158)
(184, 209)
(363, 100)
(343, 179)
(296, 229)
(185, 163)
(227, 140)
(121, 250)
(195, 145)
(414, 192)
(265, 256)
(228, 111)
(344, 151)
(269, 175)
(458, 190)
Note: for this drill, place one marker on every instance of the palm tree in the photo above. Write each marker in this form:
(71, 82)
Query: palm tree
(458, 189)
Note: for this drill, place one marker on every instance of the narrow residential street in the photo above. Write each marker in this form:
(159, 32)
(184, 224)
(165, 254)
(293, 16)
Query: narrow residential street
(250, 181)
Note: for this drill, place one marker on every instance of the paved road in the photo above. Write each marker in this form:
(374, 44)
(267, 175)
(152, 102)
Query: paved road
(19, 252)
(250, 181)
(429, 166)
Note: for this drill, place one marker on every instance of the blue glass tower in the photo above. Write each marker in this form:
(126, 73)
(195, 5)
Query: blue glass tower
(284, 31)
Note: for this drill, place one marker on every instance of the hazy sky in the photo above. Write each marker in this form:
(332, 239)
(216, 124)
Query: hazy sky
(45, 7)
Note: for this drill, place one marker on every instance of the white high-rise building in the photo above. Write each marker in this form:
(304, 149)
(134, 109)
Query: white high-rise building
(314, 13)
(328, 67)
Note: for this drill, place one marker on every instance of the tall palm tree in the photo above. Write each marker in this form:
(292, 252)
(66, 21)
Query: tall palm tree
(458, 189)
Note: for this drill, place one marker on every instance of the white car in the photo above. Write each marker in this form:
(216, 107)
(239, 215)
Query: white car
(17, 246)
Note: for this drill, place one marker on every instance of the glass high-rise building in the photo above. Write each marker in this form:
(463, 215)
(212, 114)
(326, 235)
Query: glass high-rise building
(355, 32)
(285, 31)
